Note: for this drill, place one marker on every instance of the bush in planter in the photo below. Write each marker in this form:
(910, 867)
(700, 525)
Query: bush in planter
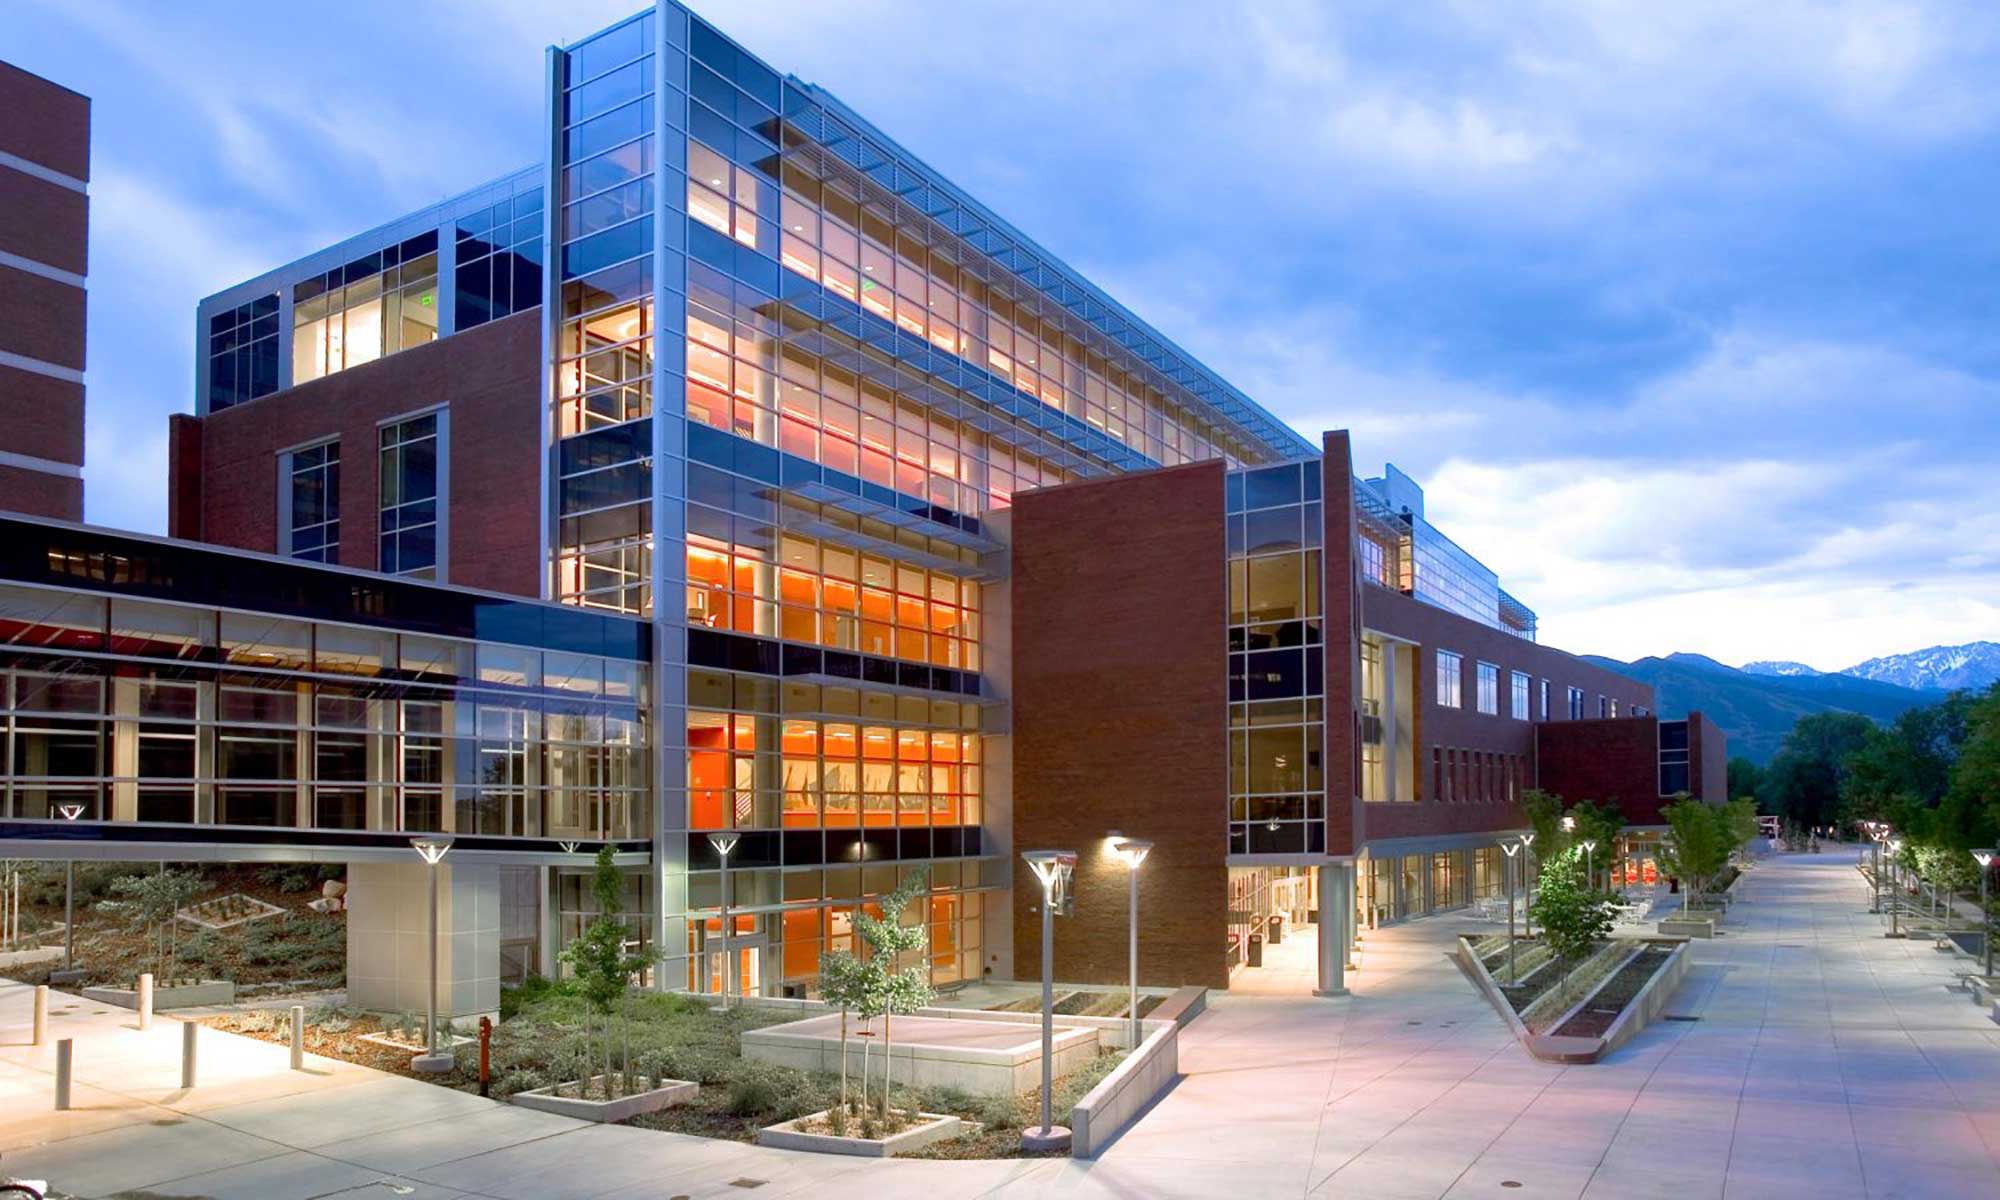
(1696, 846)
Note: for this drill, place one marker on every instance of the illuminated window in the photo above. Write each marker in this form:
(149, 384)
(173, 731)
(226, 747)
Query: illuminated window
(371, 307)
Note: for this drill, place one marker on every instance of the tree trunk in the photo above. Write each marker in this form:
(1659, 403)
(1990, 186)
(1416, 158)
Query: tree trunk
(864, 1067)
(888, 1064)
(843, 1057)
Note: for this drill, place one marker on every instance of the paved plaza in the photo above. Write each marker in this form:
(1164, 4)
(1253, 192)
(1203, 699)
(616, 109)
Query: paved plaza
(1822, 1061)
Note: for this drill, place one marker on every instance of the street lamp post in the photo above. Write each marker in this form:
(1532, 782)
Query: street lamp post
(1589, 874)
(1527, 910)
(433, 851)
(1053, 869)
(1985, 860)
(1895, 899)
(69, 973)
(1874, 831)
(1511, 849)
(724, 842)
(1133, 851)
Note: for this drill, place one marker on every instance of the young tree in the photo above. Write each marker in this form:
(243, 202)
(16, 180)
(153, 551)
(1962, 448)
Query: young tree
(889, 992)
(1695, 847)
(1599, 824)
(598, 958)
(152, 902)
(843, 981)
(1574, 916)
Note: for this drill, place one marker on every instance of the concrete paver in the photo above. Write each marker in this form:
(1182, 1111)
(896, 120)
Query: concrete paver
(1822, 1060)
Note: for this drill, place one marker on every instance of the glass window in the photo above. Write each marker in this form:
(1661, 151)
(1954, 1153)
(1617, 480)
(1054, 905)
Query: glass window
(1489, 689)
(1450, 680)
(373, 306)
(314, 504)
(412, 493)
(1576, 704)
(243, 353)
(1520, 696)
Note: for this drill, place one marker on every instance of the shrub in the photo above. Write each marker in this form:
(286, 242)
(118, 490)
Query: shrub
(288, 877)
(752, 1092)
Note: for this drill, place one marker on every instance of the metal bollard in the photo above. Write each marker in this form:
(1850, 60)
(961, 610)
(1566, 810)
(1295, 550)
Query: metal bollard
(146, 1000)
(298, 1037)
(63, 1059)
(187, 1055)
(41, 1013)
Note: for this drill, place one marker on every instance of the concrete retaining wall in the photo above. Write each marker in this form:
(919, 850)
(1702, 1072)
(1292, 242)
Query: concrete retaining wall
(1114, 1104)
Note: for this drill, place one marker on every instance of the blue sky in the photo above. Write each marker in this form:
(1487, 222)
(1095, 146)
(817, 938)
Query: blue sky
(1684, 314)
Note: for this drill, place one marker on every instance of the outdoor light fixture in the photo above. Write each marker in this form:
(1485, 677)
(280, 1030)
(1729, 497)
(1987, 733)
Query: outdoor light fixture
(1527, 918)
(724, 842)
(1133, 851)
(1894, 846)
(433, 851)
(1569, 824)
(68, 974)
(1053, 869)
(1512, 848)
(1985, 860)
(1589, 876)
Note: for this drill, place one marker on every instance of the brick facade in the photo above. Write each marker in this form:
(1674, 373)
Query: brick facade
(223, 485)
(1120, 703)
(44, 223)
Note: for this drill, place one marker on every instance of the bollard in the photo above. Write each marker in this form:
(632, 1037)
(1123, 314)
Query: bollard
(62, 1074)
(485, 1048)
(298, 1037)
(187, 1055)
(146, 1000)
(41, 1013)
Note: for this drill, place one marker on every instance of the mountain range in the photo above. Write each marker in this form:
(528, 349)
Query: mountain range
(1973, 665)
(1757, 704)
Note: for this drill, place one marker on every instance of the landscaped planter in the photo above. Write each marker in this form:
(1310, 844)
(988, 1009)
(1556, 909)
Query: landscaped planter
(1685, 925)
(227, 912)
(670, 1093)
(447, 1041)
(165, 996)
(929, 1127)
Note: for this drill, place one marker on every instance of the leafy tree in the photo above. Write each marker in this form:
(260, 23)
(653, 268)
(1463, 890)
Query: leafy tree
(1600, 825)
(1739, 818)
(843, 981)
(1973, 795)
(152, 903)
(1574, 916)
(1805, 781)
(1696, 845)
(1746, 778)
(602, 965)
(887, 992)
(1544, 811)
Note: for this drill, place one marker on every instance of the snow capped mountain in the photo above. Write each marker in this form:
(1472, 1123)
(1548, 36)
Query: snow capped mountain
(1973, 665)
(1778, 667)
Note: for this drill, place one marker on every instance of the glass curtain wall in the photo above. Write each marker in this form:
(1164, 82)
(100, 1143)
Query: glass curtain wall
(142, 711)
(1277, 789)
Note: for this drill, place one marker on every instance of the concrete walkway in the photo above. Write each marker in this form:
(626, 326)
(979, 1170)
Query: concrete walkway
(1825, 1061)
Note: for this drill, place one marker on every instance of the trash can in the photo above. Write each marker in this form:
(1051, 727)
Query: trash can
(1256, 950)
(1277, 926)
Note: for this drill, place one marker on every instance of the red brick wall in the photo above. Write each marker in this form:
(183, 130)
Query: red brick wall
(1120, 707)
(488, 377)
(43, 123)
(184, 476)
(1604, 760)
(1343, 647)
(1708, 759)
(42, 318)
(41, 494)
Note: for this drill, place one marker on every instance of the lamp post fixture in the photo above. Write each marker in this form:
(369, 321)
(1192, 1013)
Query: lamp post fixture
(1527, 911)
(1895, 900)
(1589, 875)
(433, 851)
(724, 842)
(1985, 860)
(1133, 851)
(1511, 848)
(1868, 830)
(69, 973)
(1053, 869)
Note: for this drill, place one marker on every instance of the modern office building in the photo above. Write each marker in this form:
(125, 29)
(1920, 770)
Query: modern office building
(44, 257)
(891, 528)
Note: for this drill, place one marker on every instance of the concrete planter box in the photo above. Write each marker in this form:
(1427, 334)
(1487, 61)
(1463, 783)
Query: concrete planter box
(987, 1058)
(1687, 926)
(1645, 1007)
(667, 1095)
(185, 995)
(930, 1127)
